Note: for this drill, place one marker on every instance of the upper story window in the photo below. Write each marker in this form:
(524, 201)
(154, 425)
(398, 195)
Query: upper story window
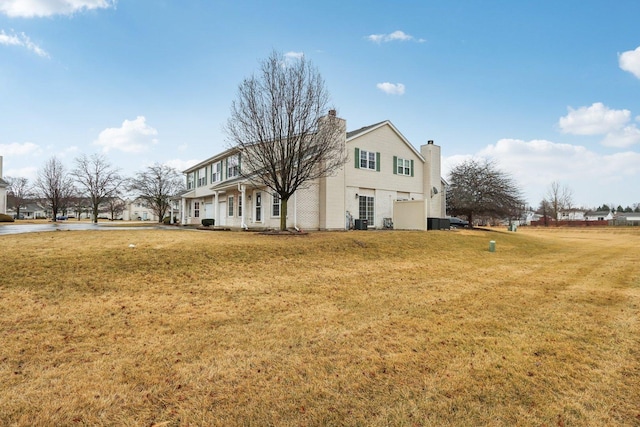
(233, 166)
(202, 177)
(367, 160)
(191, 181)
(402, 166)
(216, 172)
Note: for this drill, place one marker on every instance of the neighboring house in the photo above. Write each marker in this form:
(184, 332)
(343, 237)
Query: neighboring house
(572, 215)
(30, 210)
(3, 191)
(598, 216)
(137, 210)
(628, 218)
(384, 180)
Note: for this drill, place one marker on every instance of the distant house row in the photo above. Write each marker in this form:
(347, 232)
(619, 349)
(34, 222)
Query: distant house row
(384, 181)
(125, 209)
(576, 215)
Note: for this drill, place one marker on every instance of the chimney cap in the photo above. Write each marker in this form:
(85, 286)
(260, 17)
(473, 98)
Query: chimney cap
(332, 113)
(430, 142)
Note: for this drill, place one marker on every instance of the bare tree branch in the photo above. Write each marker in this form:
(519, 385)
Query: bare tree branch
(54, 185)
(480, 188)
(19, 191)
(278, 126)
(98, 180)
(156, 185)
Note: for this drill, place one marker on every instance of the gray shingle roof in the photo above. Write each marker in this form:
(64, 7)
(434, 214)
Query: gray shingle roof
(362, 130)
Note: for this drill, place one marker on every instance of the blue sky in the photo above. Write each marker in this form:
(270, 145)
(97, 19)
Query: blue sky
(550, 90)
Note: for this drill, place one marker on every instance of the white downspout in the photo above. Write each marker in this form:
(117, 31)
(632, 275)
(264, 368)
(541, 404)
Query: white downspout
(182, 211)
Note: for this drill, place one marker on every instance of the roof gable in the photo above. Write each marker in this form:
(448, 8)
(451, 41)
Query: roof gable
(372, 128)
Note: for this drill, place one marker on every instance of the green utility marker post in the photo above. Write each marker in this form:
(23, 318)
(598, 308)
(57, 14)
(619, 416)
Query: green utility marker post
(492, 246)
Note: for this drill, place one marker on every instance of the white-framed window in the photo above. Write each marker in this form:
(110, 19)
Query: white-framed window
(366, 208)
(216, 172)
(230, 206)
(202, 177)
(403, 167)
(191, 180)
(275, 205)
(233, 166)
(196, 209)
(367, 160)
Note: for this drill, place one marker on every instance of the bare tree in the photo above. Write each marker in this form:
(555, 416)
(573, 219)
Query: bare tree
(98, 180)
(480, 188)
(559, 198)
(156, 185)
(115, 206)
(54, 185)
(19, 191)
(278, 126)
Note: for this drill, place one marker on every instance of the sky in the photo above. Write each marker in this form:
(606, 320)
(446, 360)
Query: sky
(549, 90)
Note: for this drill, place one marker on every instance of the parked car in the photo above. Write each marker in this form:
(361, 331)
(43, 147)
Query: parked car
(61, 218)
(458, 223)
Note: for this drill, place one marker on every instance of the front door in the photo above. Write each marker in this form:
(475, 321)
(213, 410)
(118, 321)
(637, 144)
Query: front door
(222, 217)
(208, 210)
(258, 215)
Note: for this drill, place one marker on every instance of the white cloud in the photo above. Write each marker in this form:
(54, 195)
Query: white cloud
(22, 40)
(395, 36)
(601, 120)
(30, 172)
(40, 8)
(625, 137)
(594, 120)
(134, 136)
(19, 149)
(294, 55)
(630, 61)
(593, 177)
(391, 89)
(181, 165)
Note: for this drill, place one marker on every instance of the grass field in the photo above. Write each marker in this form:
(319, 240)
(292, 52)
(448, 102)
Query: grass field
(193, 328)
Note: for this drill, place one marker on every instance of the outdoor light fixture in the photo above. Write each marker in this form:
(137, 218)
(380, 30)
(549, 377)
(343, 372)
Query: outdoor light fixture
(356, 195)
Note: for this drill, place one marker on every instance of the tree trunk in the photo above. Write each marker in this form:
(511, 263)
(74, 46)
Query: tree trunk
(283, 214)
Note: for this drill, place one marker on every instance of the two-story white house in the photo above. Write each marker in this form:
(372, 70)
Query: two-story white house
(383, 170)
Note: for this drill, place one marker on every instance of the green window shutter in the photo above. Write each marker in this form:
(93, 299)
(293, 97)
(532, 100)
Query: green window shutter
(395, 165)
(411, 167)
(357, 158)
(239, 160)
(224, 170)
(377, 162)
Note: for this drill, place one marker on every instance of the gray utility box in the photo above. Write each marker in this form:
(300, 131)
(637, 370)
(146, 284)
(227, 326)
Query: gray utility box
(361, 224)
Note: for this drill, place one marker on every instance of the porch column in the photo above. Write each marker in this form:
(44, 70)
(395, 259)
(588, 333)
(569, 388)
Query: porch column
(244, 206)
(216, 207)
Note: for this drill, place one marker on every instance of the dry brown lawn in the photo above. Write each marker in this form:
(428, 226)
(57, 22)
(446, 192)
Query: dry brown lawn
(193, 328)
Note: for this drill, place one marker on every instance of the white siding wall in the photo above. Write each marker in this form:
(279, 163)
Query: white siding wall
(385, 186)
